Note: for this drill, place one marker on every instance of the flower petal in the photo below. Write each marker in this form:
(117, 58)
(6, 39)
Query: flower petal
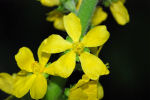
(57, 17)
(81, 82)
(96, 36)
(39, 87)
(59, 24)
(77, 94)
(22, 85)
(92, 66)
(53, 15)
(6, 83)
(120, 13)
(64, 66)
(24, 59)
(73, 26)
(88, 90)
(100, 91)
(91, 90)
(43, 57)
(99, 16)
(49, 3)
(123, 1)
(56, 44)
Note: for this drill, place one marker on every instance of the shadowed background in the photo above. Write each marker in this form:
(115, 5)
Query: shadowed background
(22, 23)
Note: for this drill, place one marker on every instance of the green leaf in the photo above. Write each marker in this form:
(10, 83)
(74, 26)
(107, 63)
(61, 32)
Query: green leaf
(85, 13)
(55, 88)
(67, 90)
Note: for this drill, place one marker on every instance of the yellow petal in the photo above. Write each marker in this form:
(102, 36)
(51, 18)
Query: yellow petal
(6, 83)
(49, 3)
(91, 90)
(119, 12)
(22, 85)
(123, 1)
(100, 91)
(96, 36)
(92, 66)
(43, 57)
(24, 59)
(21, 73)
(85, 90)
(59, 24)
(39, 87)
(77, 94)
(53, 15)
(56, 44)
(64, 66)
(81, 82)
(78, 4)
(73, 26)
(99, 16)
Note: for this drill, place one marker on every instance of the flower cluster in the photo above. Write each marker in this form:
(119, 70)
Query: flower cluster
(78, 48)
(117, 8)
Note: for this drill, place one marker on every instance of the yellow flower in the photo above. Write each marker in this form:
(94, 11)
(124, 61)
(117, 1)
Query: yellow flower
(99, 16)
(56, 17)
(86, 90)
(119, 12)
(50, 3)
(92, 66)
(34, 81)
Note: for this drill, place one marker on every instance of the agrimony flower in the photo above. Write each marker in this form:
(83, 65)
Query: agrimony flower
(34, 80)
(86, 90)
(92, 66)
(56, 17)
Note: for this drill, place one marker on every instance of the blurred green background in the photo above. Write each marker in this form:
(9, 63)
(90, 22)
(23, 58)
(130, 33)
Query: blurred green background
(22, 23)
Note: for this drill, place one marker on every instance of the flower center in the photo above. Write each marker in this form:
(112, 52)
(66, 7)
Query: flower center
(78, 47)
(37, 68)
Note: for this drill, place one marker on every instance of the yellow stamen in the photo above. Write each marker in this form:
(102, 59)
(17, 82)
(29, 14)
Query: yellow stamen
(37, 68)
(78, 47)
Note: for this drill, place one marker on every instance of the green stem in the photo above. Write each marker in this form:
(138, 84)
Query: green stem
(85, 13)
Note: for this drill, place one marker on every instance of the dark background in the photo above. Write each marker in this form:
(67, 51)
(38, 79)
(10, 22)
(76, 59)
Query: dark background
(22, 23)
